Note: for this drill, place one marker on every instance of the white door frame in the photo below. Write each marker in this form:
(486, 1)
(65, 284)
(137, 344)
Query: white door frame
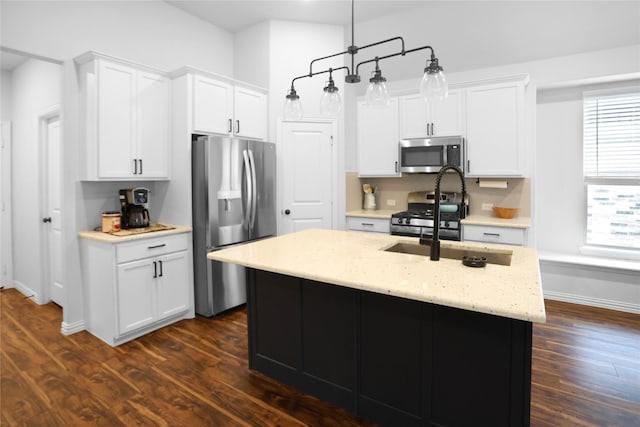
(6, 249)
(44, 117)
(334, 168)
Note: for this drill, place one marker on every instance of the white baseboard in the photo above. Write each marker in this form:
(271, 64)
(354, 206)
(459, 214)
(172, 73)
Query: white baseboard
(72, 328)
(26, 291)
(595, 302)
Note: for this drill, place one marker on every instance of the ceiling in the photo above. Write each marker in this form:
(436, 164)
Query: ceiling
(237, 15)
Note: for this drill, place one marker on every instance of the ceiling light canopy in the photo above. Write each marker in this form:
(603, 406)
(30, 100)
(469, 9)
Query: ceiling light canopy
(432, 86)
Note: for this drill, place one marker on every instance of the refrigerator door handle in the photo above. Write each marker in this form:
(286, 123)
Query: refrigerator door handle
(249, 199)
(254, 193)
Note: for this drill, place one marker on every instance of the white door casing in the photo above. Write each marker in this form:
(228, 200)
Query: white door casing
(307, 174)
(6, 240)
(51, 202)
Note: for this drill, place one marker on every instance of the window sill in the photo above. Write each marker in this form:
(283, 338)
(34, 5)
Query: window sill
(597, 262)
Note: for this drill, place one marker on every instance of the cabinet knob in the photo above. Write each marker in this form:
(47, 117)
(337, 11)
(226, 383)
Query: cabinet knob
(286, 211)
(47, 219)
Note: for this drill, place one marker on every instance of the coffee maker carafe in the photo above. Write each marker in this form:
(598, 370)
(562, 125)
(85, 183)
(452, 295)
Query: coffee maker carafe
(133, 203)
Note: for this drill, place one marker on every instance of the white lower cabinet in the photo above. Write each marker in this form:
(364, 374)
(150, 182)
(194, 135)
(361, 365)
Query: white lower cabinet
(376, 225)
(487, 234)
(135, 287)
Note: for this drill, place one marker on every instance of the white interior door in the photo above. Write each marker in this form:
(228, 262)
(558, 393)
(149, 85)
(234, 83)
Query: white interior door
(6, 263)
(54, 210)
(307, 171)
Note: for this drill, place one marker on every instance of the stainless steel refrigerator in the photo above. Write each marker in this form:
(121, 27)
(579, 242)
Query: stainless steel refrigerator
(234, 202)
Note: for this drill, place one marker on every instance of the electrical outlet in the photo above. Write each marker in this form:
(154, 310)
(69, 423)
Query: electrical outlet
(487, 206)
(391, 202)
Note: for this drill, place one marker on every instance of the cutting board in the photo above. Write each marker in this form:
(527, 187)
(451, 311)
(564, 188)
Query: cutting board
(150, 229)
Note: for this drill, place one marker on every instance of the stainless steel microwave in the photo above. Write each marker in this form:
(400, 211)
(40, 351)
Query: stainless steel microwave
(429, 155)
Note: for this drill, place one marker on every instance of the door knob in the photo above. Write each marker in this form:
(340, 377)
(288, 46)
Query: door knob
(45, 220)
(287, 211)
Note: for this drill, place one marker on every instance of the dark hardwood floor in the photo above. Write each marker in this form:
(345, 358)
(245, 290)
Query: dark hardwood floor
(586, 372)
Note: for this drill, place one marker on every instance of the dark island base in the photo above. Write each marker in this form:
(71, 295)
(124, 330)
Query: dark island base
(391, 360)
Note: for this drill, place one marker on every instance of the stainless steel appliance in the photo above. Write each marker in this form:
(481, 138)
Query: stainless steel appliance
(429, 155)
(133, 204)
(417, 220)
(234, 202)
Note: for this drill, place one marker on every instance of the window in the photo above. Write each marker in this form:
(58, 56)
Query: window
(611, 160)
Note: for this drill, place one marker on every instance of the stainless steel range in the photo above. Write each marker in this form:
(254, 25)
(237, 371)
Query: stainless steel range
(417, 220)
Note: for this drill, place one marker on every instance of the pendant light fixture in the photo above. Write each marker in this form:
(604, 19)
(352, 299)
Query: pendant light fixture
(330, 103)
(377, 95)
(433, 84)
(292, 109)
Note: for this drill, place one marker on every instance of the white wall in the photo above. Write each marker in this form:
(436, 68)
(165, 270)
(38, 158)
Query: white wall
(36, 86)
(149, 32)
(5, 96)
(252, 54)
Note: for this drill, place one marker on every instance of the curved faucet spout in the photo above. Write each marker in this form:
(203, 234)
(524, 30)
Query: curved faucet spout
(435, 245)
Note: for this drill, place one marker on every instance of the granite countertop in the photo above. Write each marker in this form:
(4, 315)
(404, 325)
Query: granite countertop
(376, 213)
(110, 238)
(493, 221)
(357, 260)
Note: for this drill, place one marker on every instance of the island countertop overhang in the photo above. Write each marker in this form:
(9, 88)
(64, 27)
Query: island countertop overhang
(358, 260)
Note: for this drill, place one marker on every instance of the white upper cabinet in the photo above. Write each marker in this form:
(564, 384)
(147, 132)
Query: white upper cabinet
(420, 119)
(495, 129)
(250, 113)
(126, 120)
(377, 140)
(212, 105)
(226, 108)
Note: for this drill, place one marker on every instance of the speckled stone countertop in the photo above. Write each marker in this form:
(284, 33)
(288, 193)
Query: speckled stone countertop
(110, 238)
(358, 260)
(517, 222)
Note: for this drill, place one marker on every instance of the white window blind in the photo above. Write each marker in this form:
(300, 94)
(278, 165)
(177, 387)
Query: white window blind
(612, 135)
(612, 152)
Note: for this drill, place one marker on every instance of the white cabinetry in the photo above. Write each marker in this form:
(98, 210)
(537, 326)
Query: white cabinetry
(226, 108)
(126, 120)
(377, 140)
(489, 234)
(376, 225)
(138, 286)
(495, 129)
(419, 119)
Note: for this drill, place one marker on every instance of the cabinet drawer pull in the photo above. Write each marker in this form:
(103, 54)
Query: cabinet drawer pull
(157, 246)
(230, 128)
(367, 224)
(135, 166)
(155, 269)
(160, 262)
(140, 166)
(237, 126)
(492, 234)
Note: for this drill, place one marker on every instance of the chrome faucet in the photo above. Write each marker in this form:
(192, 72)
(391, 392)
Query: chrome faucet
(435, 241)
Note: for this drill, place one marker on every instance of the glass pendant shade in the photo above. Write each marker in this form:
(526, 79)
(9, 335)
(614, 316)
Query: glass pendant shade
(377, 95)
(434, 86)
(292, 109)
(330, 103)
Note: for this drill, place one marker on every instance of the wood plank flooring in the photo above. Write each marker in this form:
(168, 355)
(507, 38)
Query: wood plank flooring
(586, 372)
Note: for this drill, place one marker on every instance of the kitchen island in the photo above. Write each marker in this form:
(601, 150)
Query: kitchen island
(393, 336)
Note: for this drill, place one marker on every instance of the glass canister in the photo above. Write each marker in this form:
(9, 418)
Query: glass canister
(110, 222)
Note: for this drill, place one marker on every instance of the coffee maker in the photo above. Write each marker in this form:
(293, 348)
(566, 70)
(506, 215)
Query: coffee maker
(133, 203)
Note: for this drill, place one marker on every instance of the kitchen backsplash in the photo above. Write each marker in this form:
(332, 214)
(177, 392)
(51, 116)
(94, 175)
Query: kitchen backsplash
(516, 195)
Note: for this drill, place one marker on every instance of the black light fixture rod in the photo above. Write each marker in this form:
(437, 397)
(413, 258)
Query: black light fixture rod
(403, 52)
(324, 57)
(330, 70)
(384, 41)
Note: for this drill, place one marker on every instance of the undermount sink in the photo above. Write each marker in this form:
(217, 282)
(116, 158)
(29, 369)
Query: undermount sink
(495, 256)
